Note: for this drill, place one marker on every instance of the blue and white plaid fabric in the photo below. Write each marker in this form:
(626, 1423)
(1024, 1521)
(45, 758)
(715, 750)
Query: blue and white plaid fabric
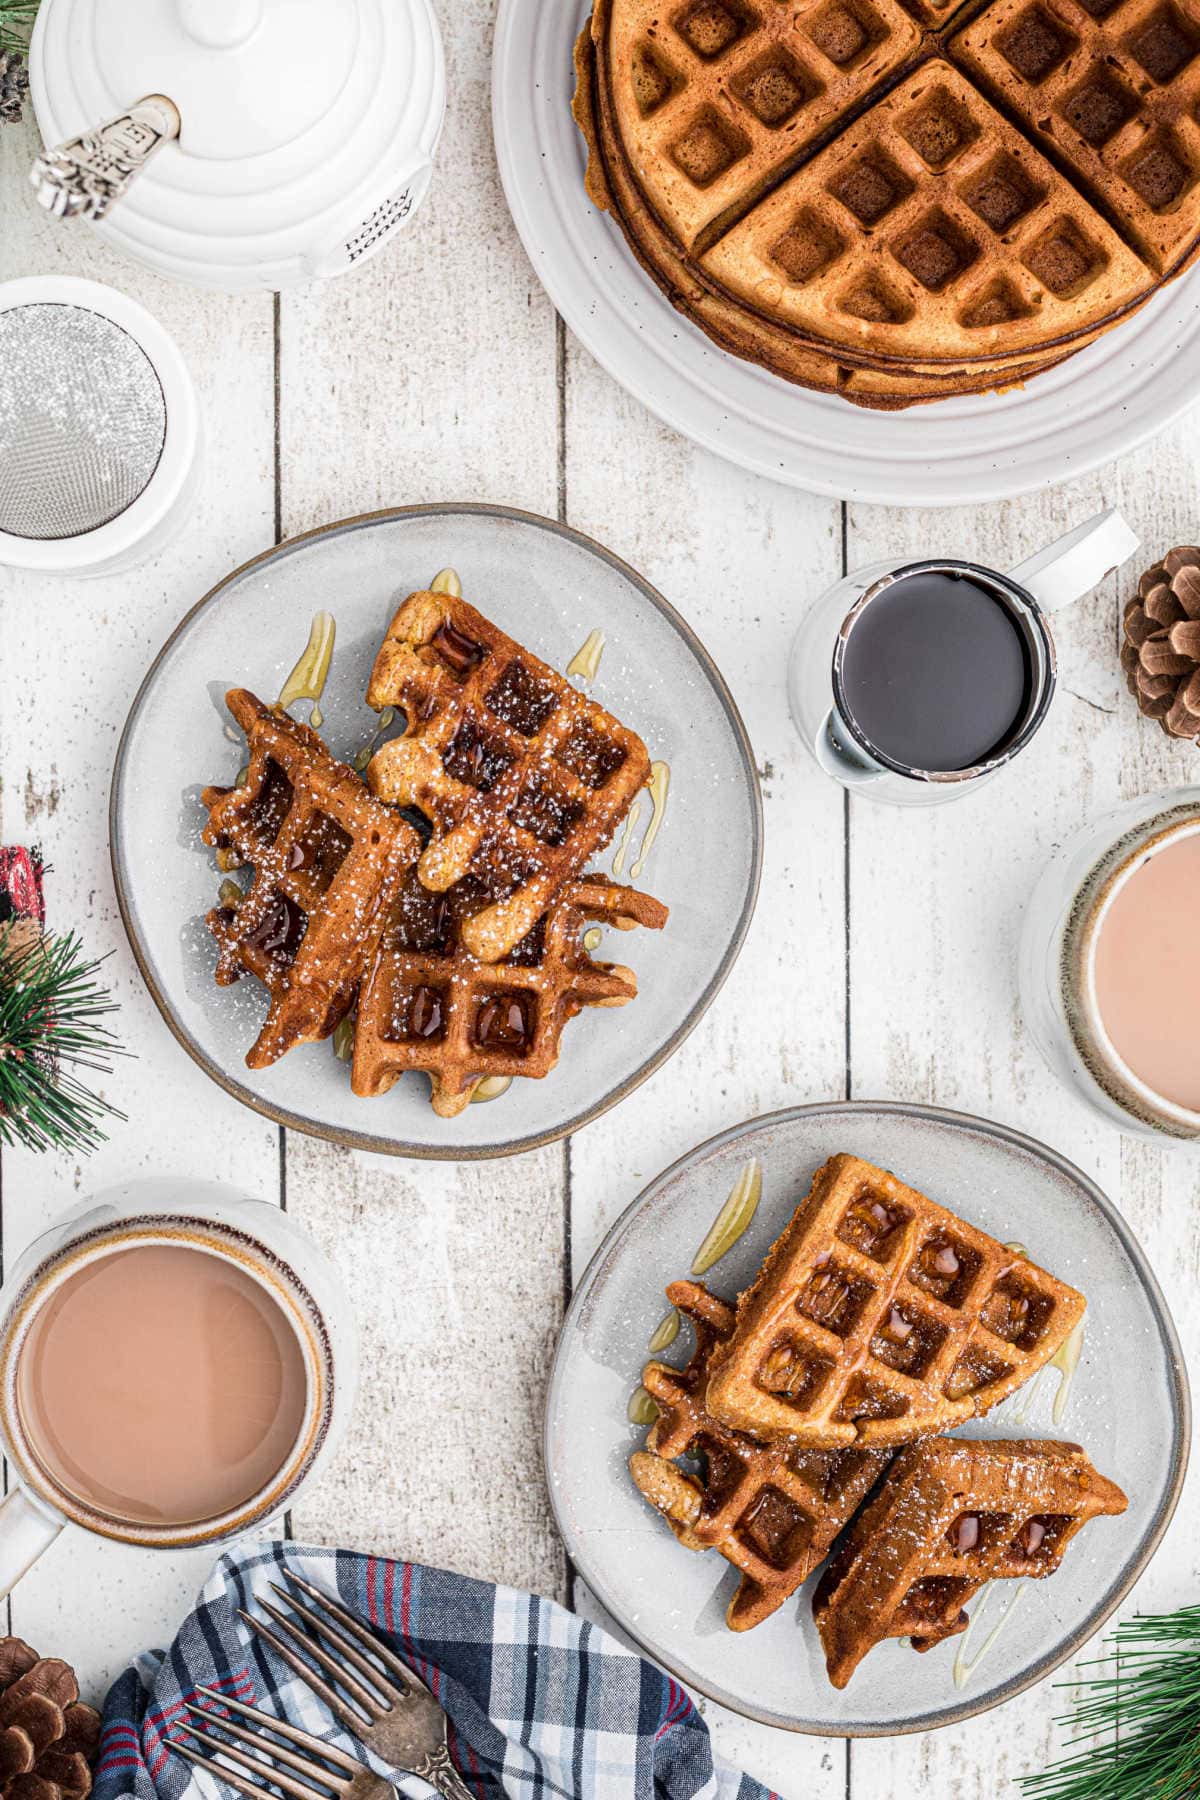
(542, 1704)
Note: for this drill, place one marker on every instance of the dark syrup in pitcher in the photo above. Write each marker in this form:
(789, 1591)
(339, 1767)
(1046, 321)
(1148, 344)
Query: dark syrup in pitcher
(937, 673)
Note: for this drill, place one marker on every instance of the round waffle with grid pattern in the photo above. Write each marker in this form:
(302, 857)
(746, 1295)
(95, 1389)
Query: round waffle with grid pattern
(951, 1514)
(521, 777)
(982, 188)
(771, 1510)
(743, 331)
(879, 1316)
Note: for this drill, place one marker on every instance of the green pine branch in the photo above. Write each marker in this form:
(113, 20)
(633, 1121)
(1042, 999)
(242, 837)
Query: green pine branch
(50, 1010)
(1145, 1710)
(16, 23)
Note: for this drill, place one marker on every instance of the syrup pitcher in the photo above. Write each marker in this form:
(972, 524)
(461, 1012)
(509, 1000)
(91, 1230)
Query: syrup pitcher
(175, 1360)
(914, 682)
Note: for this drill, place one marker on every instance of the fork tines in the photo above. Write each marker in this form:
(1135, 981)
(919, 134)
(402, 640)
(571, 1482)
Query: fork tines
(224, 1738)
(332, 1643)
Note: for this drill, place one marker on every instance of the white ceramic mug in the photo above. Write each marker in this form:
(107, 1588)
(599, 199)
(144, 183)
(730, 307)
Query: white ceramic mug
(1059, 943)
(1052, 578)
(205, 1217)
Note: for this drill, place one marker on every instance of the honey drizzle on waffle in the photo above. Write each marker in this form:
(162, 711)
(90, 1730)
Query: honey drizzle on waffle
(1065, 1361)
(772, 1511)
(659, 786)
(584, 666)
(733, 1220)
(951, 1515)
(520, 775)
(427, 1003)
(326, 858)
(307, 680)
(879, 1315)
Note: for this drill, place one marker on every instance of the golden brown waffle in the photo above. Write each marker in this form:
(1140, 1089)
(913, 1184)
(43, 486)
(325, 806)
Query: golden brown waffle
(952, 1514)
(717, 99)
(429, 1004)
(740, 330)
(950, 255)
(934, 225)
(1113, 90)
(520, 775)
(326, 857)
(850, 371)
(771, 1510)
(879, 1316)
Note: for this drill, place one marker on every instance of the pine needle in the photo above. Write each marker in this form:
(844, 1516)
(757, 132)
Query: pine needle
(1145, 1710)
(16, 23)
(50, 1008)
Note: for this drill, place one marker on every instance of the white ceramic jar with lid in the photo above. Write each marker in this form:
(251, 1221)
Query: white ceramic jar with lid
(239, 143)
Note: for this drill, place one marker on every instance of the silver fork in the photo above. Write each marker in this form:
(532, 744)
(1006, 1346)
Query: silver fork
(398, 1719)
(346, 1780)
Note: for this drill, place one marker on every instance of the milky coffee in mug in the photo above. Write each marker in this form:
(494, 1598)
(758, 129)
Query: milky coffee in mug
(172, 1361)
(161, 1384)
(1110, 964)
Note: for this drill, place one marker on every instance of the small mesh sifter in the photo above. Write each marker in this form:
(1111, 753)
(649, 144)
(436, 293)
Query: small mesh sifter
(98, 428)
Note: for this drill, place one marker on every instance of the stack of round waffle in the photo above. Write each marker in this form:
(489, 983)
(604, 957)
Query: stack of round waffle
(897, 202)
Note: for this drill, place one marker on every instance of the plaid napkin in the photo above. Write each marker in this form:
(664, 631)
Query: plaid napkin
(542, 1703)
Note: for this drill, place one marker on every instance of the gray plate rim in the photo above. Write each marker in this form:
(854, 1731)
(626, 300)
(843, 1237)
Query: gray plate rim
(356, 1140)
(954, 1121)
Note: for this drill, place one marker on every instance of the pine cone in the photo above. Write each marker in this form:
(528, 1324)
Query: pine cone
(14, 85)
(1161, 652)
(47, 1738)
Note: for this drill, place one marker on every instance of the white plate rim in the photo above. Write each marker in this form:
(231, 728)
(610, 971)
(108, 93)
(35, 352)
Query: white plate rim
(953, 1121)
(1109, 412)
(380, 1144)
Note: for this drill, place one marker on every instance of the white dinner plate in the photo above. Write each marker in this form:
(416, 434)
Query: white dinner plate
(1127, 1405)
(548, 587)
(1120, 391)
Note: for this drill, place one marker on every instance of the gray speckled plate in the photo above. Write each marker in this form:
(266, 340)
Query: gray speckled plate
(1128, 1406)
(547, 586)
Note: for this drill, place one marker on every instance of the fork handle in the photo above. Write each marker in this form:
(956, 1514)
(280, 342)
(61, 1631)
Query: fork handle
(440, 1773)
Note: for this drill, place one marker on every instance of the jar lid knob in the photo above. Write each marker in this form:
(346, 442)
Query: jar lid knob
(220, 24)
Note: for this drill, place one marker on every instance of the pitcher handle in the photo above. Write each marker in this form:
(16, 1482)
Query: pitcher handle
(844, 761)
(1070, 567)
(25, 1531)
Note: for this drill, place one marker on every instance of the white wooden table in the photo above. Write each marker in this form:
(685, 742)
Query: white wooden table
(880, 963)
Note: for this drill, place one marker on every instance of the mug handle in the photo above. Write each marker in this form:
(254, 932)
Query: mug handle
(1071, 566)
(25, 1531)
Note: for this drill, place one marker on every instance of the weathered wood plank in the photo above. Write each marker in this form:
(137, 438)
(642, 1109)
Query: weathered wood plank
(73, 654)
(733, 553)
(430, 375)
(941, 1022)
(455, 1274)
